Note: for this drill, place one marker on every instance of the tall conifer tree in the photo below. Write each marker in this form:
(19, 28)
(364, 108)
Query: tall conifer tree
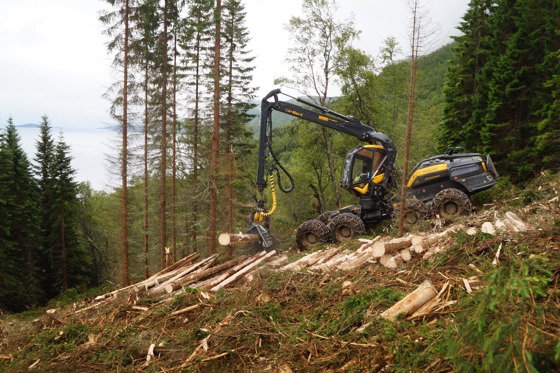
(499, 90)
(196, 41)
(20, 286)
(238, 93)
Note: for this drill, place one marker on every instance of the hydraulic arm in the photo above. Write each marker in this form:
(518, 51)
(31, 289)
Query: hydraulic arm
(324, 117)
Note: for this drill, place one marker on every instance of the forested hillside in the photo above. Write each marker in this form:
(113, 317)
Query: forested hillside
(184, 105)
(503, 84)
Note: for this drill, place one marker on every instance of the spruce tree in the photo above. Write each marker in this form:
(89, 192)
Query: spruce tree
(236, 82)
(20, 285)
(196, 41)
(44, 174)
(501, 87)
(75, 267)
(462, 115)
(119, 30)
(145, 18)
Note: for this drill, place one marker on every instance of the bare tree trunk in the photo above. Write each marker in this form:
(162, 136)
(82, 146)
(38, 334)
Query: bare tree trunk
(64, 252)
(163, 187)
(146, 178)
(229, 144)
(174, 159)
(215, 137)
(414, 46)
(124, 164)
(196, 126)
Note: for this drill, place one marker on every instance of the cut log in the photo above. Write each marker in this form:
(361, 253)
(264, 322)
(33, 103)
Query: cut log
(489, 228)
(230, 238)
(160, 289)
(432, 304)
(186, 309)
(510, 226)
(303, 261)
(428, 254)
(405, 255)
(377, 250)
(499, 224)
(411, 302)
(178, 264)
(393, 262)
(418, 248)
(332, 263)
(471, 231)
(156, 281)
(356, 262)
(416, 240)
(368, 244)
(384, 258)
(217, 279)
(327, 256)
(520, 224)
(177, 284)
(278, 262)
(432, 239)
(242, 272)
(397, 244)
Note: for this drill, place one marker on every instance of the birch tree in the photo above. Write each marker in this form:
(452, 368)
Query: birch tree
(318, 41)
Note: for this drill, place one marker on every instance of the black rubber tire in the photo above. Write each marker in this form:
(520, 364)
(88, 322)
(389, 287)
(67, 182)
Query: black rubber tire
(311, 233)
(345, 226)
(451, 203)
(327, 216)
(415, 211)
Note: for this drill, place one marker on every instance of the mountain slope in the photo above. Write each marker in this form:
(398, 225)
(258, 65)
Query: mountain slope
(308, 320)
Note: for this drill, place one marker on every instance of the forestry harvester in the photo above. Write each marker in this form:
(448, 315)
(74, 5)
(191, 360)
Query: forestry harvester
(441, 184)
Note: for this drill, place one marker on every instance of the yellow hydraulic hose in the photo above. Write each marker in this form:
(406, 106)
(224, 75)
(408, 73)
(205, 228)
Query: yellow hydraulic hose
(260, 215)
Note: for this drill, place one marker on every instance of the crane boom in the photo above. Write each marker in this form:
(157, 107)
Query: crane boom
(321, 116)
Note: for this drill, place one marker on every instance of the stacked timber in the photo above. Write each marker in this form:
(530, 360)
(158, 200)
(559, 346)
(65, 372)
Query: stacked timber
(394, 252)
(193, 272)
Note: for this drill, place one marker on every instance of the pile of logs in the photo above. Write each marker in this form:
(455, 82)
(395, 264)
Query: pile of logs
(509, 223)
(204, 274)
(393, 252)
(193, 272)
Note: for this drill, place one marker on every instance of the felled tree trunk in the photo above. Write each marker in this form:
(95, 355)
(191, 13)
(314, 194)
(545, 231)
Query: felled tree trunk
(411, 302)
(178, 283)
(229, 238)
(242, 272)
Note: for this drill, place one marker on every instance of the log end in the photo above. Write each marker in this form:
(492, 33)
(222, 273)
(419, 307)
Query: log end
(224, 239)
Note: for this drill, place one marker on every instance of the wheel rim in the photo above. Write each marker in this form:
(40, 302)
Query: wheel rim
(311, 238)
(343, 233)
(450, 209)
(410, 218)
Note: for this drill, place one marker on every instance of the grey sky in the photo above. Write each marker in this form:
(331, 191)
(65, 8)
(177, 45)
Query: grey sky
(53, 57)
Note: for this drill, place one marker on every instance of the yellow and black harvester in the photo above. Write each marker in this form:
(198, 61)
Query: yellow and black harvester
(440, 184)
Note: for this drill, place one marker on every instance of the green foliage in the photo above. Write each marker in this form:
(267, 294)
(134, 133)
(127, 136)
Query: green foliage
(270, 311)
(492, 330)
(501, 91)
(41, 253)
(20, 232)
(354, 307)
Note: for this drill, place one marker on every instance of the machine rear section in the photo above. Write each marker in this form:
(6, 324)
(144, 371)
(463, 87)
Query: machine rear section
(447, 181)
(439, 185)
(468, 172)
